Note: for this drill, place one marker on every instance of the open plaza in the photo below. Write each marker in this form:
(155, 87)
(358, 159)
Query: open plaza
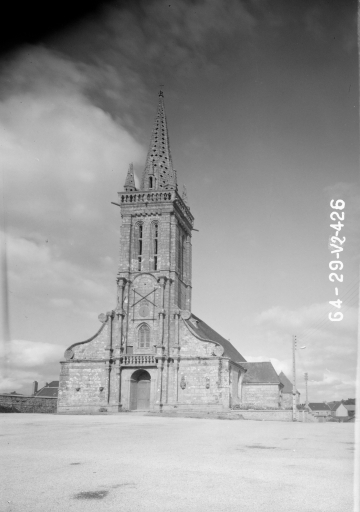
(133, 462)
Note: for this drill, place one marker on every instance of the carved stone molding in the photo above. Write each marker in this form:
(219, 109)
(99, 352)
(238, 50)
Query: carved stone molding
(218, 350)
(69, 354)
(185, 314)
(183, 382)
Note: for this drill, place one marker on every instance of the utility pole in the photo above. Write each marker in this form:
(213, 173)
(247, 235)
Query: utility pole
(306, 389)
(294, 415)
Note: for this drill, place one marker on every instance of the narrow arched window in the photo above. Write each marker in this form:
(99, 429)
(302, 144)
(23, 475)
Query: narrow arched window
(151, 184)
(183, 255)
(180, 253)
(144, 336)
(154, 245)
(178, 250)
(138, 245)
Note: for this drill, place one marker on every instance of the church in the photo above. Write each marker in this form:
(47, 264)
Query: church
(151, 352)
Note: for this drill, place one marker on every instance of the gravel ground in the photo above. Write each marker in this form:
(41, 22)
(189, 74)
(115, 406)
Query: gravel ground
(132, 462)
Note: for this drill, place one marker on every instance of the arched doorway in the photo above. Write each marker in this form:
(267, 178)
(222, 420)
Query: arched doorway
(140, 390)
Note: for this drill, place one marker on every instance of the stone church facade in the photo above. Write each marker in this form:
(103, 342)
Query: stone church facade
(151, 352)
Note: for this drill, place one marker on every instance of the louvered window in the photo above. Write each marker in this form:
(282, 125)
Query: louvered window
(138, 245)
(154, 245)
(180, 253)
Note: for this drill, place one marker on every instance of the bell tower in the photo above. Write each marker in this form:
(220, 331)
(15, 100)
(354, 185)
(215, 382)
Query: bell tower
(151, 352)
(154, 274)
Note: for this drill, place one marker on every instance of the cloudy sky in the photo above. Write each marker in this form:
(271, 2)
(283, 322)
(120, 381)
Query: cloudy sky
(262, 107)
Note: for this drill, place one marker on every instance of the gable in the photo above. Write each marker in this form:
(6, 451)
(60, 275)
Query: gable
(288, 387)
(334, 405)
(205, 332)
(50, 390)
(262, 372)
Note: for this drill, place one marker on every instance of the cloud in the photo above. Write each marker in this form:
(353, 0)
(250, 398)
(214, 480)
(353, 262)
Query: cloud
(62, 156)
(28, 361)
(39, 274)
(63, 160)
(330, 354)
(158, 41)
(29, 354)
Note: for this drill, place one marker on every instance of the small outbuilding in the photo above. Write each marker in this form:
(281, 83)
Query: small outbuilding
(287, 391)
(50, 390)
(320, 409)
(338, 409)
(261, 386)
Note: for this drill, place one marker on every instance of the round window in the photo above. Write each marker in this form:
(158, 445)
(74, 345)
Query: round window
(144, 310)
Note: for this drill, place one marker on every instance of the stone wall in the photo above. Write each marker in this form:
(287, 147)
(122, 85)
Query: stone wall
(191, 345)
(234, 385)
(261, 394)
(199, 382)
(83, 386)
(28, 404)
(287, 399)
(266, 415)
(84, 377)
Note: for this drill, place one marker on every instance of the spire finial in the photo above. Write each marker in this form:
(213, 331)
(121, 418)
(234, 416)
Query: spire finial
(130, 181)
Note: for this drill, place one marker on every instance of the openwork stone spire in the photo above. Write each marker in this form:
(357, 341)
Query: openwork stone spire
(130, 181)
(159, 173)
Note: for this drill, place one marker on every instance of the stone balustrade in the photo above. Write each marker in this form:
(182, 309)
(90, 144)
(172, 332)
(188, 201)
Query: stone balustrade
(138, 360)
(146, 197)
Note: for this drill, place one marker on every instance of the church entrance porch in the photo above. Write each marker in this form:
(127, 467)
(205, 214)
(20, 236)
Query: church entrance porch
(140, 390)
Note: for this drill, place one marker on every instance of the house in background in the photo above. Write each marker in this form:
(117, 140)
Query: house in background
(261, 386)
(350, 406)
(320, 409)
(287, 398)
(50, 390)
(338, 409)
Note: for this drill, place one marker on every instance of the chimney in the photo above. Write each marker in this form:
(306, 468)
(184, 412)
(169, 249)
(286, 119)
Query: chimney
(35, 387)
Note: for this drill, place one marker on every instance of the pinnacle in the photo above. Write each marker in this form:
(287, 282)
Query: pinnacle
(130, 181)
(184, 196)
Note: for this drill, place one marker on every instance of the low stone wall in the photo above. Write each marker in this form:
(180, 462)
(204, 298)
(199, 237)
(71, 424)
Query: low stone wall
(260, 395)
(266, 415)
(28, 404)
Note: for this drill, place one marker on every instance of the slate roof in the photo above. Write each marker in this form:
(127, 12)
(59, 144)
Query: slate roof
(206, 332)
(262, 372)
(286, 383)
(321, 406)
(350, 407)
(334, 405)
(49, 390)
